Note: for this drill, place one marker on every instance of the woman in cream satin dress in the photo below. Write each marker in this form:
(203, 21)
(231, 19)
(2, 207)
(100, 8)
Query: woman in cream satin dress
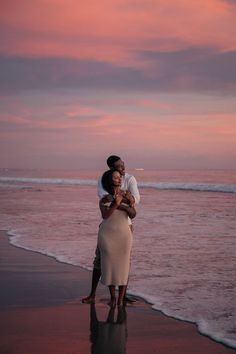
(115, 237)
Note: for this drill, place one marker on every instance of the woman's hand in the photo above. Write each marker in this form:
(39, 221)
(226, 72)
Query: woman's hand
(118, 199)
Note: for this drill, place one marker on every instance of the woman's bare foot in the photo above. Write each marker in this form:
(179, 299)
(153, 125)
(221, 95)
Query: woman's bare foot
(112, 302)
(88, 300)
(120, 304)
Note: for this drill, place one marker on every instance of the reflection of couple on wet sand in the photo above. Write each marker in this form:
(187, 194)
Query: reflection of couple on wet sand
(118, 193)
(108, 337)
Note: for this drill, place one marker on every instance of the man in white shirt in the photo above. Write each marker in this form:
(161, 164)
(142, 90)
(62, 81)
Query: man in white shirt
(128, 184)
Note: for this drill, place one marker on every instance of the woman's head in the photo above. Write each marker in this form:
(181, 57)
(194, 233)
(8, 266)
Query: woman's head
(110, 180)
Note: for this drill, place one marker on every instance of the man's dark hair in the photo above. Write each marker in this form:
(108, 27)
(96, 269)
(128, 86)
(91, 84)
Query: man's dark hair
(112, 160)
(107, 182)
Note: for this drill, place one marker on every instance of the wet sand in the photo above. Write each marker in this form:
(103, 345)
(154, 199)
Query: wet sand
(41, 312)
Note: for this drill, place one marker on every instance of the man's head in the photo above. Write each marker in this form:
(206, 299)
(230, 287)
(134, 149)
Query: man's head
(115, 163)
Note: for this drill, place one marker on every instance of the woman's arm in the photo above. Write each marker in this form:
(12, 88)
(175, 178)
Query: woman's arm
(108, 211)
(127, 204)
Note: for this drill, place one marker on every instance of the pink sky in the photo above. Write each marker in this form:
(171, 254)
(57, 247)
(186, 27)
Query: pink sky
(153, 81)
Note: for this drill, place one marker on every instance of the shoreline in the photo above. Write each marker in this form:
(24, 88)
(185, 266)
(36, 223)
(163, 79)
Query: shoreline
(135, 295)
(43, 286)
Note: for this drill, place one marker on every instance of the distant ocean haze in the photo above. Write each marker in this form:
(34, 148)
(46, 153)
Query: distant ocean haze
(183, 258)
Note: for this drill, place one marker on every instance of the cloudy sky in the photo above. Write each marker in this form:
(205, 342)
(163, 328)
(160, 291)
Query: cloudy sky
(151, 80)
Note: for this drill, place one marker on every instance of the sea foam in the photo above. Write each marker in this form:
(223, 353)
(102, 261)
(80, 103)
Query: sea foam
(198, 187)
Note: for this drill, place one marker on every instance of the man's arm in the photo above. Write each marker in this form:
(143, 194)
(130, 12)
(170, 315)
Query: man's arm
(129, 209)
(133, 189)
(100, 190)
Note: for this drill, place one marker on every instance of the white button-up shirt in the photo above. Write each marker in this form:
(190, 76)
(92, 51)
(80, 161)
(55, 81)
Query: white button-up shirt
(128, 183)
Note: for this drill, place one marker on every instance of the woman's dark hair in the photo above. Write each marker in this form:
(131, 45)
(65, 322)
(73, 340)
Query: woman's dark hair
(107, 182)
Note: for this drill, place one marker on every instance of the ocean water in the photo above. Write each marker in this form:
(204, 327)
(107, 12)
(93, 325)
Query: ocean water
(184, 252)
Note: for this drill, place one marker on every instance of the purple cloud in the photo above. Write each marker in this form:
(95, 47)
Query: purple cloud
(193, 69)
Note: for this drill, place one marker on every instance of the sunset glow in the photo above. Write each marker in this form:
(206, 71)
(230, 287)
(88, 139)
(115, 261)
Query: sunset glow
(153, 81)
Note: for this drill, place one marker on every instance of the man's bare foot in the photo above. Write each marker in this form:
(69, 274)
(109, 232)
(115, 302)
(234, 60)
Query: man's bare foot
(129, 300)
(88, 300)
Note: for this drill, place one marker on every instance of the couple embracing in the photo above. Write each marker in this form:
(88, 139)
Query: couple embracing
(118, 194)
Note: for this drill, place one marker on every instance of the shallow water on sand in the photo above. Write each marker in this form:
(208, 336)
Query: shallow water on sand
(184, 258)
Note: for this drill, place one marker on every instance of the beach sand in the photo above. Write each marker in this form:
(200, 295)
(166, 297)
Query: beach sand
(41, 312)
